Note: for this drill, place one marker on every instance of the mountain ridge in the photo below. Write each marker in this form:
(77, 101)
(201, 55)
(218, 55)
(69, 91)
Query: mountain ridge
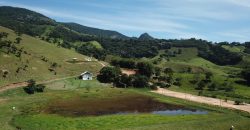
(36, 24)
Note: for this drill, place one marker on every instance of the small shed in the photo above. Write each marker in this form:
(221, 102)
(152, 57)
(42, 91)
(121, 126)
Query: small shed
(86, 76)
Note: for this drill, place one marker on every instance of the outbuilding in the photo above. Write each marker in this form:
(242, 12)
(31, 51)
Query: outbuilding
(86, 76)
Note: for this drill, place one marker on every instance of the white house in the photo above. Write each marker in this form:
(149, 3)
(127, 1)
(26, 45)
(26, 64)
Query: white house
(86, 76)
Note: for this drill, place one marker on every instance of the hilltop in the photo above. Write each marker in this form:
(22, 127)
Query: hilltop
(145, 36)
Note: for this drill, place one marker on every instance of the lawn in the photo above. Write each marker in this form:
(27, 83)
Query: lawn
(28, 114)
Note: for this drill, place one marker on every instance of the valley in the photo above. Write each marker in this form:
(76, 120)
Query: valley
(67, 76)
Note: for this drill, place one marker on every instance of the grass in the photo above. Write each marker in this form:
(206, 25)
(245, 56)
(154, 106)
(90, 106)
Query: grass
(94, 43)
(237, 49)
(37, 68)
(28, 117)
(189, 60)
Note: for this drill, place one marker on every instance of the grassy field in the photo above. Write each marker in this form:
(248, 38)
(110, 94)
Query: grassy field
(234, 48)
(28, 114)
(38, 69)
(188, 60)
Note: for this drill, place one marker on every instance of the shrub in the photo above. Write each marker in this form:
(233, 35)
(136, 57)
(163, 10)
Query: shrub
(238, 102)
(212, 87)
(140, 81)
(163, 84)
(40, 88)
(201, 85)
(200, 93)
(31, 88)
(109, 74)
(145, 68)
(214, 96)
(153, 87)
(177, 82)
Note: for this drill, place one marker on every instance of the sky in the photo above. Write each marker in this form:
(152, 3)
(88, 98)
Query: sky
(212, 20)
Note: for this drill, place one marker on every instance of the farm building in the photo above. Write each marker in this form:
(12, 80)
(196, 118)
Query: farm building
(86, 76)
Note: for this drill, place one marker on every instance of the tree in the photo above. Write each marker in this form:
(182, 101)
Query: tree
(157, 71)
(18, 40)
(178, 82)
(40, 88)
(196, 78)
(212, 87)
(140, 81)
(31, 87)
(145, 69)
(123, 81)
(109, 74)
(179, 51)
(201, 85)
(246, 75)
(3, 35)
(168, 71)
(5, 73)
(208, 75)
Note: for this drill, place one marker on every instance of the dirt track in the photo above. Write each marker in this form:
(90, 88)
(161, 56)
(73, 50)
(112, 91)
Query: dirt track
(201, 99)
(22, 84)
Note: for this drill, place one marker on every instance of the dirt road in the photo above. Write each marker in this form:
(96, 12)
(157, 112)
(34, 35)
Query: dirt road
(201, 99)
(21, 84)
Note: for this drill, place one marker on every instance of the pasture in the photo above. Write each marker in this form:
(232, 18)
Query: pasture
(31, 110)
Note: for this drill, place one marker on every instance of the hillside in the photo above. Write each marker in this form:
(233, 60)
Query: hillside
(40, 60)
(36, 24)
(94, 31)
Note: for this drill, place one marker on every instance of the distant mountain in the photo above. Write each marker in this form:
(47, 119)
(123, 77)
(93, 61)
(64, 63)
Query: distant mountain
(36, 24)
(94, 31)
(145, 36)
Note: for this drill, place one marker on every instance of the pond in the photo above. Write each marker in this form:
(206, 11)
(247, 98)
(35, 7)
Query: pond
(135, 104)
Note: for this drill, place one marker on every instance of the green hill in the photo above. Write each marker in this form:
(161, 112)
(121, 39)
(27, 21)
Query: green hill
(40, 60)
(36, 24)
(94, 31)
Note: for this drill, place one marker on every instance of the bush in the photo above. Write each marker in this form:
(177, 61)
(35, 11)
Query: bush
(108, 74)
(153, 87)
(214, 96)
(29, 89)
(246, 75)
(145, 68)
(140, 81)
(201, 85)
(163, 84)
(177, 82)
(200, 93)
(212, 87)
(238, 102)
(32, 87)
(40, 88)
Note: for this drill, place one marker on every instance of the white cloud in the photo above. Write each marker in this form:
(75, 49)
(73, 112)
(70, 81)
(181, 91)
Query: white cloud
(180, 18)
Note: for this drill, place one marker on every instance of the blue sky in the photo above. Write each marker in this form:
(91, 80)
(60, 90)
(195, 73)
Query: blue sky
(213, 20)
